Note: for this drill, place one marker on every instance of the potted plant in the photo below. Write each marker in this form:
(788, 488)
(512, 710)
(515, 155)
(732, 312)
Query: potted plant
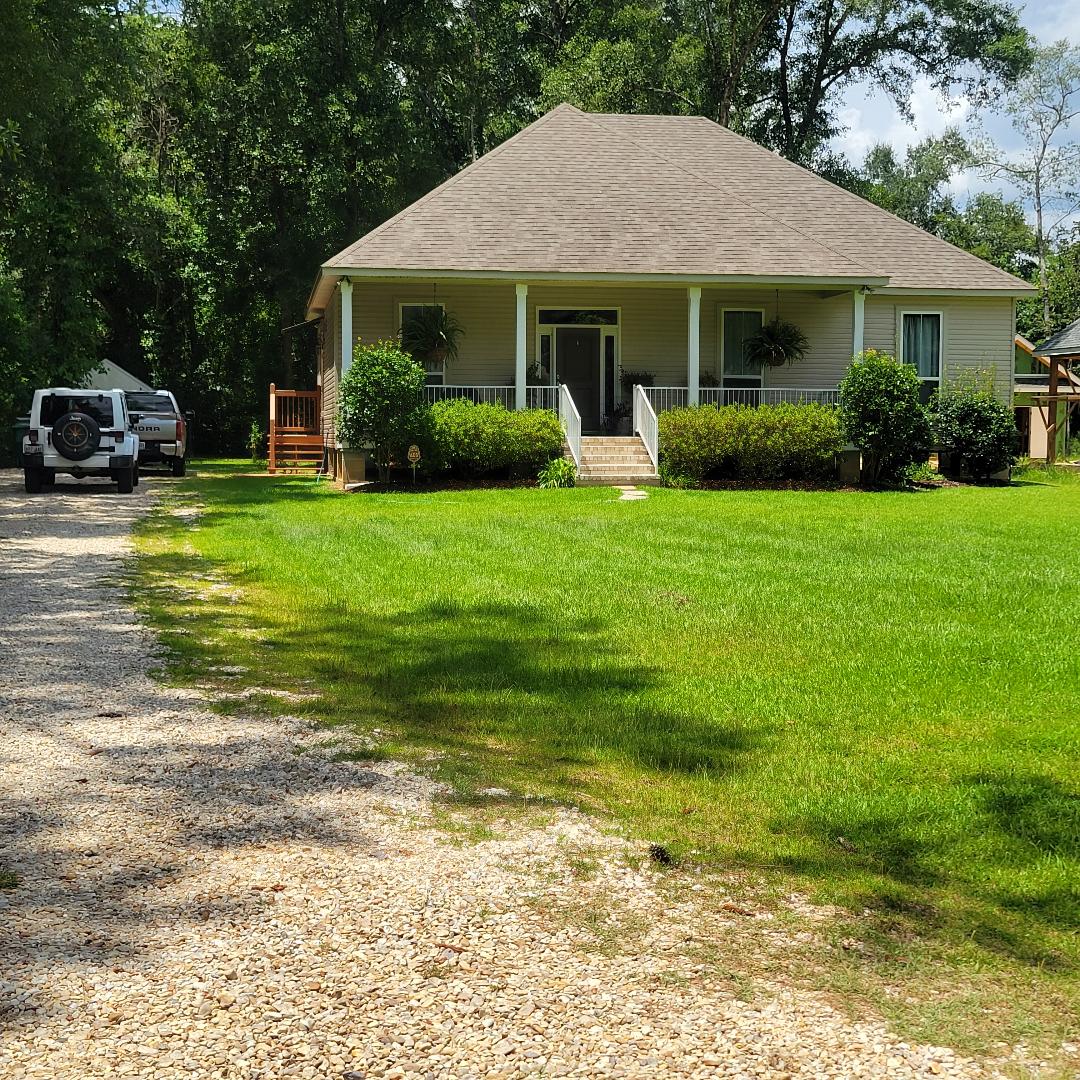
(431, 336)
(616, 422)
(777, 343)
(629, 379)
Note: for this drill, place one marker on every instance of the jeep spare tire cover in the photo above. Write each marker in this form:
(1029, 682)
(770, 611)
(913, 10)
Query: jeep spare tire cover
(76, 435)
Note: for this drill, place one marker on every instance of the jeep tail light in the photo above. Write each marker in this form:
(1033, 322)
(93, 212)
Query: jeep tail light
(118, 436)
(33, 437)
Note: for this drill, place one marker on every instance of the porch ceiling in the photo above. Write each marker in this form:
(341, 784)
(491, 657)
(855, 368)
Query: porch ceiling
(329, 276)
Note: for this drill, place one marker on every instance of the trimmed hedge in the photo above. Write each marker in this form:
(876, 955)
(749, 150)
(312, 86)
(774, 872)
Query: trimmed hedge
(472, 440)
(882, 414)
(737, 442)
(976, 430)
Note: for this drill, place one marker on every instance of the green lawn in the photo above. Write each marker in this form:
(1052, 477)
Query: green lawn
(871, 697)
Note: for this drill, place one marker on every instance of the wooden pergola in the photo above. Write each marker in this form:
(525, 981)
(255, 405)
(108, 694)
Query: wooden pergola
(1058, 353)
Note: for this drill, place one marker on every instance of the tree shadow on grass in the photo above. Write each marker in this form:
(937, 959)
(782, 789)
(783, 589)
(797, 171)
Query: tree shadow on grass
(908, 877)
(505, 680)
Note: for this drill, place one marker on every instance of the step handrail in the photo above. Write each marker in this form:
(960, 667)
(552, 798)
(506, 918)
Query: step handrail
(645, 424)
(570, 419)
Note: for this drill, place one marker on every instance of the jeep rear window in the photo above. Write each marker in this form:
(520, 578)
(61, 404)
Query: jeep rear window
(53, 406)
(149, 403)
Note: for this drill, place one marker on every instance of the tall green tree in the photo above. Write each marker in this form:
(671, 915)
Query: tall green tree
(1043, 108)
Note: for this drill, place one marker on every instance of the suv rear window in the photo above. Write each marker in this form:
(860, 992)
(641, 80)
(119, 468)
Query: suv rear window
(149, 403)
(53, 406)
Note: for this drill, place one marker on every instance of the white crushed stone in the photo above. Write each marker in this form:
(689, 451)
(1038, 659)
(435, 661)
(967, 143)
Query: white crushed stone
(198, 900)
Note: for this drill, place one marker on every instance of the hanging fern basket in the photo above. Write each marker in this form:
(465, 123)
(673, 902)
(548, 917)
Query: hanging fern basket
(777, 343)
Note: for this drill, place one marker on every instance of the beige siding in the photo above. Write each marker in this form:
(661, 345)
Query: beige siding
(329, 366)
(653, 331)
(977, 333)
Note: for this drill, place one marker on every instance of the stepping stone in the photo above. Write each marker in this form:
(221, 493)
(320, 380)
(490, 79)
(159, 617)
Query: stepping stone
(630, 494)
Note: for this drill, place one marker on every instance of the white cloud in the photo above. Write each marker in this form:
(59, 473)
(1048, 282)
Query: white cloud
(1052, 20)
(870, 117)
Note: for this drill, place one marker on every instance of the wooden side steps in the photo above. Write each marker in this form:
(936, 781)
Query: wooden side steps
(295, 443)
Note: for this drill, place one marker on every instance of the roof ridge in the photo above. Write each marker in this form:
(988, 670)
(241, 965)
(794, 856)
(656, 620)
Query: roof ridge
(449, 182)
(910, 225)
(596, 118)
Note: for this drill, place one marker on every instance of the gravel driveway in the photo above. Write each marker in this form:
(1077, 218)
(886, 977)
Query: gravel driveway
(197, 899)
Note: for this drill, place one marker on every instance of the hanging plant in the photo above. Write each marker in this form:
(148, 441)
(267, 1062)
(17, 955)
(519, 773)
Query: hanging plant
(777, 343)
(432, 335)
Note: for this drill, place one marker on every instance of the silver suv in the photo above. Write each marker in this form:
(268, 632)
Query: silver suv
(83, 433)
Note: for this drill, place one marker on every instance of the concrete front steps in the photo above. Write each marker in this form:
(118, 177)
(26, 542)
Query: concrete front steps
(615, 459)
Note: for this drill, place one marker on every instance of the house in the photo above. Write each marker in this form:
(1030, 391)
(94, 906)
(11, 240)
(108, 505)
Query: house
(592, 254)
(1047, 393)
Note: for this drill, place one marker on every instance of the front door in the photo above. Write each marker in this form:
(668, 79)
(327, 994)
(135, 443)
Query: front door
(577, 354)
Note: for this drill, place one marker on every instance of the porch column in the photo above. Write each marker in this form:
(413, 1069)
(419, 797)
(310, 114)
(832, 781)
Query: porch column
(520, 345)
(693, 345)
(858, 321)
(345, 288)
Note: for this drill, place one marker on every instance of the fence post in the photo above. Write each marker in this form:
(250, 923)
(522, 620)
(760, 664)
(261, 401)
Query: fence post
(272, 449)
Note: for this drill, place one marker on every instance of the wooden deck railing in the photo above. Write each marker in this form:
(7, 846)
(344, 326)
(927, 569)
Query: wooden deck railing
(295, 438)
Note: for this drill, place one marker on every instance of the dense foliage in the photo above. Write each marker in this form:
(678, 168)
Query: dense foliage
(381, 403)
(975, 429)
(882, 414)
(490, 441)
(769, 444)
(172, 172)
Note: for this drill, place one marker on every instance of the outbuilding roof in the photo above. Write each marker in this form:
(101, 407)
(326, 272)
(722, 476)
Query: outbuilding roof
(1064, 343)
(613, 195)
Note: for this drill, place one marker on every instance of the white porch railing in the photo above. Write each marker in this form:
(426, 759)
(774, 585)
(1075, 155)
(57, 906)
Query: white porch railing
(542, 397)
(571, 423)
(645, 424)
(479, 395)
(662, 398)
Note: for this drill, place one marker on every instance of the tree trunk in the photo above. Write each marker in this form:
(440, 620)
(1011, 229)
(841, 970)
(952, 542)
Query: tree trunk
(1040, 245)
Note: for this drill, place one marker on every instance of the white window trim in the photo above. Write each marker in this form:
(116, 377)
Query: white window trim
(402, 304)
(941, 340)
(721, 312)
(606, 330)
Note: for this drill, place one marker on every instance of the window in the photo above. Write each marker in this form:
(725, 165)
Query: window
(148, 403)
(53, 406)
(920, 346)
(737, 328)
(578, 317)
(611, 375)
(435, 371)
(542, 373)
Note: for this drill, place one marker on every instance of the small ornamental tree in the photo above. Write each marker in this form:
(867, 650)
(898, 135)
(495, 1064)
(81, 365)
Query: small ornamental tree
(976, 430)
(882, 415)
(381, 403)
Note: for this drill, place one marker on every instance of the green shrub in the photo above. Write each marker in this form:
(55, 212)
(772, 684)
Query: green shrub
(774, 442)
(559, 472)
(488, 440)
(381, 403)
(976, 430)
(882, 415)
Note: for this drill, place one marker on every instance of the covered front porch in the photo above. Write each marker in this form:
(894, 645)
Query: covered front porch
(527, 344)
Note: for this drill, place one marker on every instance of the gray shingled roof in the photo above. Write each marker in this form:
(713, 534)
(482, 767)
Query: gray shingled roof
(1064, 343)
(584, 193)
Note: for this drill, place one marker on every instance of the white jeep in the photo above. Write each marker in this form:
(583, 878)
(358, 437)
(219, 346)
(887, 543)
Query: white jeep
(81, 432)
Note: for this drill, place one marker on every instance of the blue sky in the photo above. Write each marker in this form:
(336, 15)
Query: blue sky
(871, 117)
